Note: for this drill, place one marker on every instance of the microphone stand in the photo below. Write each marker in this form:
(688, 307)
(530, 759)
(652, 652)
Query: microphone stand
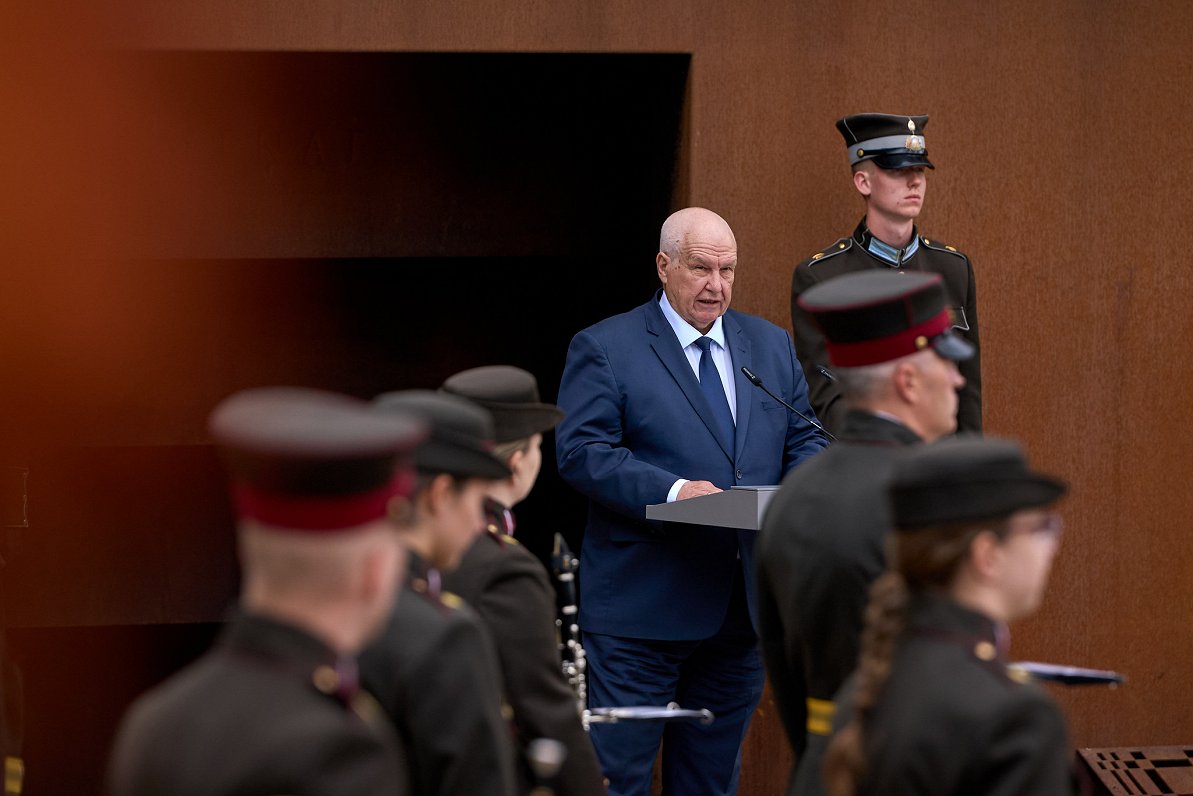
(757, 382)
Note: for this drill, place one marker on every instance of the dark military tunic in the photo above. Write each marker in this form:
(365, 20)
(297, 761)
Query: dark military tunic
(820, 548)
(435, 673)
(951, 720)
(509, 588)
(268, 711)
(858, 252)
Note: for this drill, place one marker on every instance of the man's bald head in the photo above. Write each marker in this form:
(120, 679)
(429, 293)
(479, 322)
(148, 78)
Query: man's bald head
(683, 223)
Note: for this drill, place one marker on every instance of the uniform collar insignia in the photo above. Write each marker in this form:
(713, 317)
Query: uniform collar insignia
(887, 253)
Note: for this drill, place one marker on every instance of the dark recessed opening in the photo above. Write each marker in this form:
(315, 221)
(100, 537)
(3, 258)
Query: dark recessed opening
(353, 221)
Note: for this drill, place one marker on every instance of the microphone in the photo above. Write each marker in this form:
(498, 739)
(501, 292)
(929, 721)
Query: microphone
(757, 382)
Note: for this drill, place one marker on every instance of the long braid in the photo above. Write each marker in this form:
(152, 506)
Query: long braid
(844, 761)
(920, 560)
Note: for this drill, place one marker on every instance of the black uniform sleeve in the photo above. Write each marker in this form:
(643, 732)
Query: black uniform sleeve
(1027, 753)
(518, 605)
(789, 688)
(823, 394)
(969, 408)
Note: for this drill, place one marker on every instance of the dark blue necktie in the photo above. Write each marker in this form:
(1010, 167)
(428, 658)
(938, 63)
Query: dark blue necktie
(714, 392)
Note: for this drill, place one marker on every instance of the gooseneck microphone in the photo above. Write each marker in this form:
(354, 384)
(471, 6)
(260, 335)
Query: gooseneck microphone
(757, 382)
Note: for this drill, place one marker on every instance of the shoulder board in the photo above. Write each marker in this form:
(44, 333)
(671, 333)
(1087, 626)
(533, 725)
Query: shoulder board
(842, 245)
(936, 245)
(498, 538)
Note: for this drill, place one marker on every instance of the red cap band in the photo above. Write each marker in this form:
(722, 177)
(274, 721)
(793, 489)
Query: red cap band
(322, 513)
(873, 352)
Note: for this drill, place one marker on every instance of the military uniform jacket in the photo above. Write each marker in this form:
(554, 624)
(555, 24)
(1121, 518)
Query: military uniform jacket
(259, 714)
(861, 251)
(509, 588)
(820, 548)
(952, 721)
(435, 674)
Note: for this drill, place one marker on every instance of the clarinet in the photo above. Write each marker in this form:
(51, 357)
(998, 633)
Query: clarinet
(567, 632)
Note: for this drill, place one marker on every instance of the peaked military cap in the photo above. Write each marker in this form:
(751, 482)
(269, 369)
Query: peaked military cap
(511, 395)
(892, 142)
(310, 460)
(967, 479)
(461, 433)
(874, 316)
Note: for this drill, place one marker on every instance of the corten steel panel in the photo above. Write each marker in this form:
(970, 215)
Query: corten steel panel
(1059, 133)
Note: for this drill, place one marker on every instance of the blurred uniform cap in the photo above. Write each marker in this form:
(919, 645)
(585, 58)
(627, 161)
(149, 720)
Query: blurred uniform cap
(511, 395)
(309, 460)
(892, 142)
(873, 316)
(461, 438)
(967, 479)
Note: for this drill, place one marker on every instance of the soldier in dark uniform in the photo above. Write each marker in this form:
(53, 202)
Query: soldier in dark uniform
(274, 707)
(934, 708)
(509, 587)
(434, 670)
(821, 544)
(889, 159)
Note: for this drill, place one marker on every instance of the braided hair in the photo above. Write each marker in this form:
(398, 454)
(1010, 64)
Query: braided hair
(920, 560)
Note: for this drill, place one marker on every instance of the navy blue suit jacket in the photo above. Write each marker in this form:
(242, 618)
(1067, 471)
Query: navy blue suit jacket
(637, 421)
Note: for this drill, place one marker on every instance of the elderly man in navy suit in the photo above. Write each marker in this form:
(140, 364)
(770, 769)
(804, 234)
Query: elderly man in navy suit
(658, 410)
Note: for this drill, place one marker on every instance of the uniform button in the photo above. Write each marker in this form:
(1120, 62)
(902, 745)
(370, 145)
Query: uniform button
(985, 651)
(326, 679)
(739, 475)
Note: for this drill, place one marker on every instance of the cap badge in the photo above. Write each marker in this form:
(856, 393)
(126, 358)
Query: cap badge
(914, 143)
(921, 342)
(911, 125)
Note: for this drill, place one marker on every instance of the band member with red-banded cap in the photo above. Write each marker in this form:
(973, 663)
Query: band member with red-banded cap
(434, 669)
(889, 157)
(274, 707)
(934, 709)
(509, 588)
(890, 340)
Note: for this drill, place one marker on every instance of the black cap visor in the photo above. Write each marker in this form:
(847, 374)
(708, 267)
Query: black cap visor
(951, 345)
(902, 160)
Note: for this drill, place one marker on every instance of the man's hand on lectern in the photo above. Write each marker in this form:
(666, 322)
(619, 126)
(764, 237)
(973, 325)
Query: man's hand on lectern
(696, 489)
